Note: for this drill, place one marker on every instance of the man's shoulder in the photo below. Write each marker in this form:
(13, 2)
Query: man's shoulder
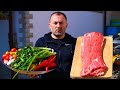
(40, 42)
(72, 38)
(43, 38)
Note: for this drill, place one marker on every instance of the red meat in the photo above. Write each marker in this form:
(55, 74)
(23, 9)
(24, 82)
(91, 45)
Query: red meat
(92, 55)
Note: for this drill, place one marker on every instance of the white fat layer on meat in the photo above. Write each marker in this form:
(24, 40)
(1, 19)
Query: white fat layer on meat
(100, 73)
(95, 60)
(92, 64)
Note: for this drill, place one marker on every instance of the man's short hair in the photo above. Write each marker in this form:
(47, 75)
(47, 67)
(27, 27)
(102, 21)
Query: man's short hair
(59, 13)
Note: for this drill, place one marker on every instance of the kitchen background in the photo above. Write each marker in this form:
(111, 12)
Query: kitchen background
(19, 28)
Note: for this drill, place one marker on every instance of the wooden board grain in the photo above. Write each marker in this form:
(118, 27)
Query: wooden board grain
(76, 67)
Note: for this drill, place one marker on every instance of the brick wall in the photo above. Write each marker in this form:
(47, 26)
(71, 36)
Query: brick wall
(26, 27)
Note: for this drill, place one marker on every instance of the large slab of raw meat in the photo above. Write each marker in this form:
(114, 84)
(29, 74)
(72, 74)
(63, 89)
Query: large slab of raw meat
(76, 67)
(92, 55)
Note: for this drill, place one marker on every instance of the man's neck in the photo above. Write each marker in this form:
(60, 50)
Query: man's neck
(57, 37)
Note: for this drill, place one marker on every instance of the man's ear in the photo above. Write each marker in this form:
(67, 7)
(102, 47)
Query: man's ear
(66, 25)
(49, 25)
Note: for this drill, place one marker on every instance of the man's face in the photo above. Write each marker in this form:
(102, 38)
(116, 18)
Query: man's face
(58, 25)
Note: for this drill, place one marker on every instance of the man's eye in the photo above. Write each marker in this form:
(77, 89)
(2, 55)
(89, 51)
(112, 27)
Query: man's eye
(60, 22)
(55, 23)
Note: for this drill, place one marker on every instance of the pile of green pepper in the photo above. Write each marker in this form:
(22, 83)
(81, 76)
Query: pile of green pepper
(28, 55)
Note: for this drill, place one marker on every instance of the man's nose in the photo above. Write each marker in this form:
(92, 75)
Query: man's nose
(58, 25)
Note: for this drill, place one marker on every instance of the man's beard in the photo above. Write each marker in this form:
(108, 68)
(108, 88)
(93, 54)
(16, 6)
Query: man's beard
(58, 34)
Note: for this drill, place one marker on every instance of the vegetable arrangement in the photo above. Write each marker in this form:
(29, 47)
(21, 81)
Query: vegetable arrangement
(30, 59)
(9, 56)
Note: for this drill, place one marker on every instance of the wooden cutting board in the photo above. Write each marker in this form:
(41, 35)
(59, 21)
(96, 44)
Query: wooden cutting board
(76, 67)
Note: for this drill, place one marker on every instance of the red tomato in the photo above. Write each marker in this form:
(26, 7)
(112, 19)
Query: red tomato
(4, 56)
(13, 50)
(7, 57)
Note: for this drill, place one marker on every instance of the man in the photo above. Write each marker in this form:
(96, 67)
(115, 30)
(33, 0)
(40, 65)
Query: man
(62, 43)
